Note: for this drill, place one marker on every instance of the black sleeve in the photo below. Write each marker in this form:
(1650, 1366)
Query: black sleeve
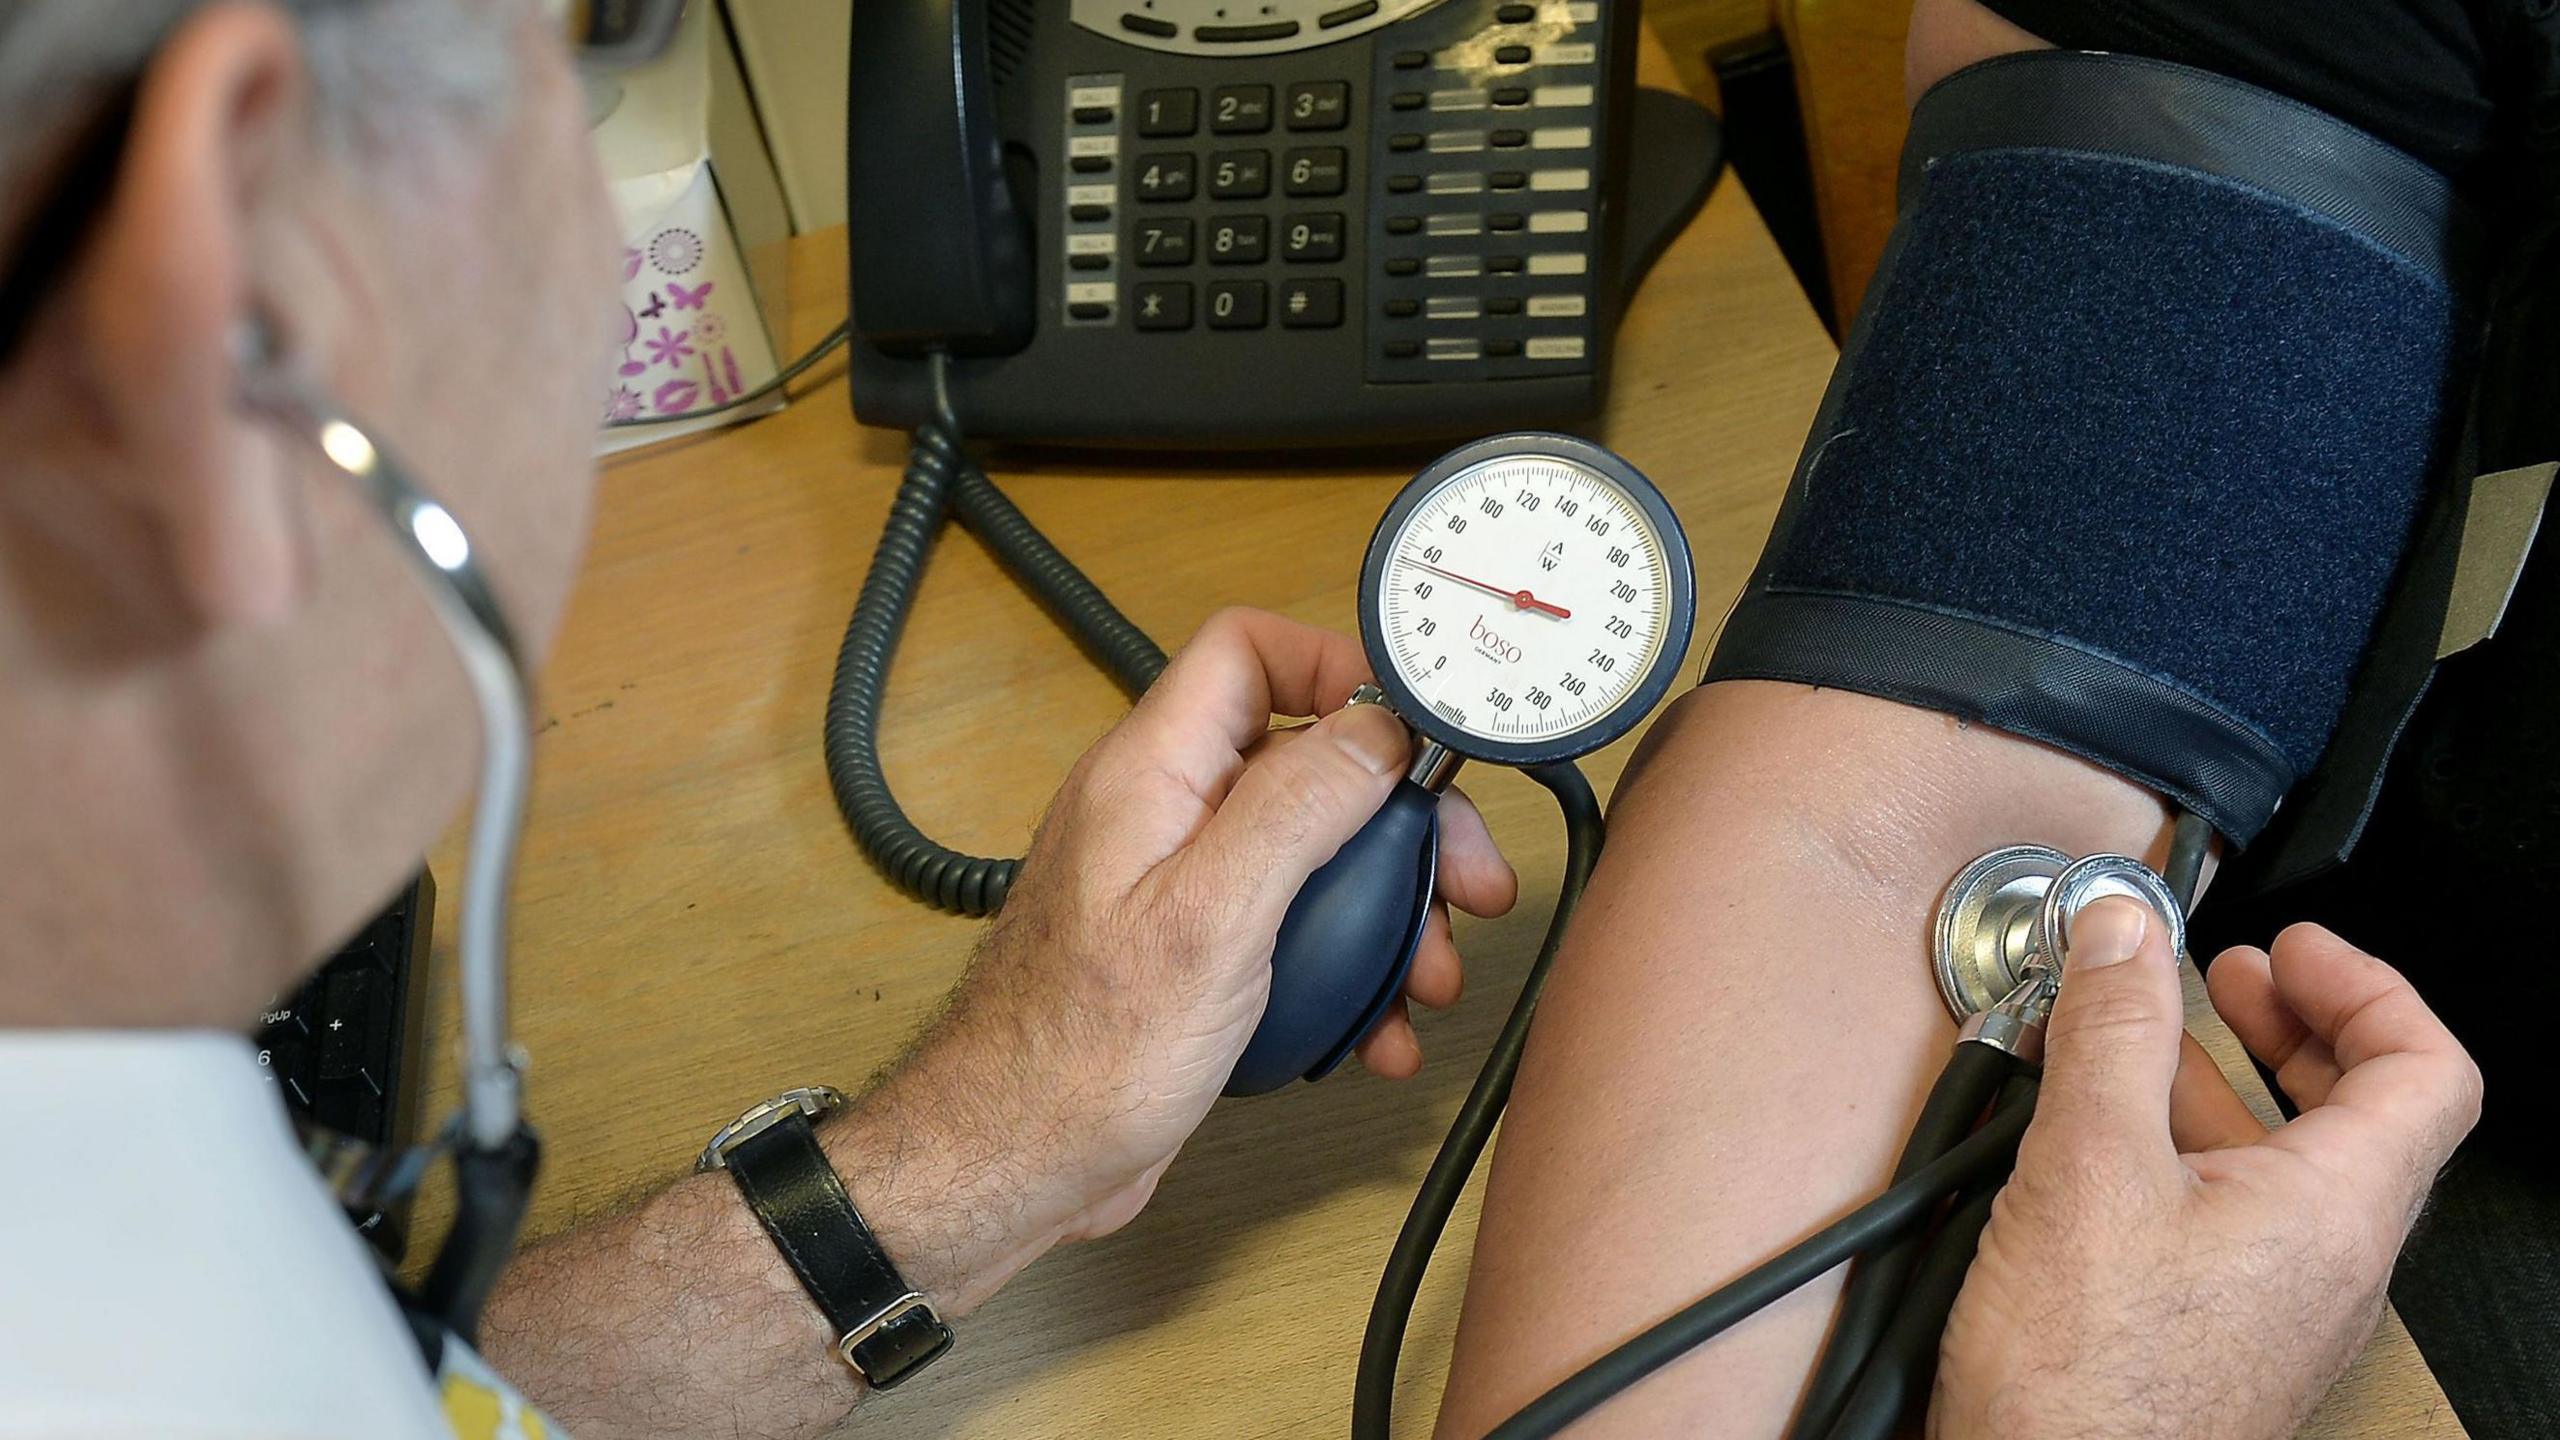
(2414, 73)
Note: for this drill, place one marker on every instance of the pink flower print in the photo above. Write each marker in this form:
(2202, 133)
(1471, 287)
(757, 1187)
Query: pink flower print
(670, 348)
(684, 299)
(631, 258)
(729, 362)
(675, 397)
(623, 404)
(630, 336)
(710, 330)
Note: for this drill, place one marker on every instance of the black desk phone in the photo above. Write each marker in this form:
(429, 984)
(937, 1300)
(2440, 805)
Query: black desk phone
(1252, 222)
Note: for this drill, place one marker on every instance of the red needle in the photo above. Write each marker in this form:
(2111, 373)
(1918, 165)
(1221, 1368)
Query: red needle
(1520, 598)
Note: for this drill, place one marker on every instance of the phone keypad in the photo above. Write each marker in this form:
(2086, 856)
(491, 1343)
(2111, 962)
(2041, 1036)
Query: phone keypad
(1210, 207)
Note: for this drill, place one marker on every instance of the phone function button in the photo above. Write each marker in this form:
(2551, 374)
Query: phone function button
(1556, 347)
(1507, 179)
(1161, 305)
(1239, 174)
(1412, 60)
(1508, 139)
(1088, 214)
(1511, 55)
(1164, 242)
(1310, 237)
(1404, 224)
(1403, 349)
(1244, 34)
(1505, 220)
(1557, 307)
(1239, 305)
(1149, 25)
(1239, 239)
(1088, 310)
(1346, 14)
(1093, 114)
(1166, 175)
(1502, 305)
(1515, 14)
(1501, 349)
(1163, 114)
(1408, 100)
(1402, 309)
(1403, 184)
(1502, 264)
(1240, 109)
(1403, 265)
(1318, 105)
(1310, 304)
(1314, 172)
(1511, 95)
(1568, 52)
(1089, 164)
(1404, 144)
(1088, 262)
(1454, 267)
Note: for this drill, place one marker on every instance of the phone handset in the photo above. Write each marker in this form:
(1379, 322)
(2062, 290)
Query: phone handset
(941, 249)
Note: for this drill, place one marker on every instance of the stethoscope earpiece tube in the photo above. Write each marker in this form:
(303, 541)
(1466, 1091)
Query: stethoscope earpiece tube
(495, 1154)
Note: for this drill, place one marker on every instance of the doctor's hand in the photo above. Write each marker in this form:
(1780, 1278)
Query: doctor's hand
(2163, 1264)
(1111, 996)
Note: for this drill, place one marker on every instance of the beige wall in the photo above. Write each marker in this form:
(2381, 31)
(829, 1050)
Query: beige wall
(794, 52)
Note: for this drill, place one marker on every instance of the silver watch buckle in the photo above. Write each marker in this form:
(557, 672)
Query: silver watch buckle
(888, 1315)
(810, 1100)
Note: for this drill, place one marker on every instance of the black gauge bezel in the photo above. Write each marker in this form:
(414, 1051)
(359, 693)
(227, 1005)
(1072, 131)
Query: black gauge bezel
(1679, 616)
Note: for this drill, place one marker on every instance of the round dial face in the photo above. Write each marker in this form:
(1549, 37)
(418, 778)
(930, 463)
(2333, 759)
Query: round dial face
(1528, 597)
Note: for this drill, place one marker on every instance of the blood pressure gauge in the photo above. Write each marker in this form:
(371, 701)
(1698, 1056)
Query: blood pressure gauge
(1527, 599)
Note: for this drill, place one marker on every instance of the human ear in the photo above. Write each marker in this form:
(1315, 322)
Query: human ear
(159, 304)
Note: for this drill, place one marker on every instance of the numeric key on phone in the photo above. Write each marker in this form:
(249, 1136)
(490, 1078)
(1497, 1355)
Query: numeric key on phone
(1239, 239)
(1239, 305)
(1239, 174)
(1317, 170)
(1311, 237)
(1240, 109)
(1319, 105)
(1163, 175)
(1165, 241)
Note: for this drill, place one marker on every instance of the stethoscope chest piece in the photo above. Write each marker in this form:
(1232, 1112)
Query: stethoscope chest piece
(2012, 908)
(1988, 924)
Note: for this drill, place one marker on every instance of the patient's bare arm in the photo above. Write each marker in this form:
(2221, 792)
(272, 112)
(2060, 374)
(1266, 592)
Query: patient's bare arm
(1738, 1034)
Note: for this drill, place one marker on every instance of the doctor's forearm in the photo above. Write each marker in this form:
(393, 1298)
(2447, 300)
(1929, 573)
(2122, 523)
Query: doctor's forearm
(679, 1317)
(1739, 1032)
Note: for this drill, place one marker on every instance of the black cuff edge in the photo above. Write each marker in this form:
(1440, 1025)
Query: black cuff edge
(2087, 704)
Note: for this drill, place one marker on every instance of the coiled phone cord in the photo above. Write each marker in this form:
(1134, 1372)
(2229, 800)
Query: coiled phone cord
(940, 480)
(1374, 1391)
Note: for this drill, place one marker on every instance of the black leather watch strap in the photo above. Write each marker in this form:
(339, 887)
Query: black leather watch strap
(887, 1331)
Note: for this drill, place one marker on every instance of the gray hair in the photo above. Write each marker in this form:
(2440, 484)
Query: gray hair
(378, 69)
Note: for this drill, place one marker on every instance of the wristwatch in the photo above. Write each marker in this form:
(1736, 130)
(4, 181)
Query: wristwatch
(886, 1330)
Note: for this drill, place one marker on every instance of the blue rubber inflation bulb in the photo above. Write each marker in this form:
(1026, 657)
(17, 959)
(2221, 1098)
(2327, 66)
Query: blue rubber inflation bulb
(1348, 940)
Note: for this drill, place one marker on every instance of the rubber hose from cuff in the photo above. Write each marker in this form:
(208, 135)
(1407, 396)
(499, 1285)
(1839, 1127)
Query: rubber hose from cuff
(1373, 1392)
(938, 479)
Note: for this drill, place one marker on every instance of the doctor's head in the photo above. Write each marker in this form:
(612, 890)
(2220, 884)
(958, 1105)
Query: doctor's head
(228, 723)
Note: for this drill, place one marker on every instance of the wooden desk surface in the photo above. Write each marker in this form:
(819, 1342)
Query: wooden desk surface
(695, 931)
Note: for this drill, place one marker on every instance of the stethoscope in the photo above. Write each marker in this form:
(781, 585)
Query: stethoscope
(495, 1154)
(2001, 934)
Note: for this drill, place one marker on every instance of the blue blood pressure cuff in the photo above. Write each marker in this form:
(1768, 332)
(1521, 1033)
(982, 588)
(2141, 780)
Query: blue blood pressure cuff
(2127, 443)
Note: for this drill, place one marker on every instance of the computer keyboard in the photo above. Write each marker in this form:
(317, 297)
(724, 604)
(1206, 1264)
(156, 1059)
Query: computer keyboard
(344, 1050)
